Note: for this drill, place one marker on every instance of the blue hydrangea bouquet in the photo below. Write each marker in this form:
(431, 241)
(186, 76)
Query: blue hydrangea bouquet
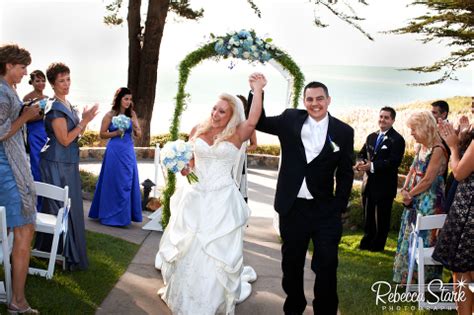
(245, 45)
(175, 156)
(121, 122)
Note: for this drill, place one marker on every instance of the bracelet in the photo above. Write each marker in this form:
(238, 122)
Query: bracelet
(80, 126)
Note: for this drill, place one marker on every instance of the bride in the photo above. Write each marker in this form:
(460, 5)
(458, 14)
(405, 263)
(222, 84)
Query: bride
(200, 255)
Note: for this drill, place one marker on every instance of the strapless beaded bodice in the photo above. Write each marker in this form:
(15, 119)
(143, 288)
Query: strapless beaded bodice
(213, 164)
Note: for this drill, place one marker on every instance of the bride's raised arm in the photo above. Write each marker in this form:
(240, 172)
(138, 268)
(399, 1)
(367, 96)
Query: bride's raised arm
(246, 128)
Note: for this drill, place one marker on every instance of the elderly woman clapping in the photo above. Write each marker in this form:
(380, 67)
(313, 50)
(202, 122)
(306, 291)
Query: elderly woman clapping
(423, 191)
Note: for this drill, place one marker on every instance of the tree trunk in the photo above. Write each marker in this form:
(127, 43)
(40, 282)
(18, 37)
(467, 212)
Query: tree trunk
(143, 61)
(134, 48)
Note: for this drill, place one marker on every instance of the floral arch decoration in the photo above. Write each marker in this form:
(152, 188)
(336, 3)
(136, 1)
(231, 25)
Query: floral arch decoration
(244, 45)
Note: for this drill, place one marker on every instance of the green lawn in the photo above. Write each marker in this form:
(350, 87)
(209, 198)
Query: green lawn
(81, 292)
(358, 270)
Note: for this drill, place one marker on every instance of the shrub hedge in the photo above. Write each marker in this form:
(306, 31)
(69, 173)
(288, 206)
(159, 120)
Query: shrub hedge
(89, 181)
(356, 214)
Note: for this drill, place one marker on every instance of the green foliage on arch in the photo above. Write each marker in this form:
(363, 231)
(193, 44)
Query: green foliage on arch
(243, 45)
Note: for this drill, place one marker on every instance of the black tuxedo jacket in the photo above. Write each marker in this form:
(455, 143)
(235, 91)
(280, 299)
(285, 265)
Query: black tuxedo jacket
(320, 173)
(386, 160)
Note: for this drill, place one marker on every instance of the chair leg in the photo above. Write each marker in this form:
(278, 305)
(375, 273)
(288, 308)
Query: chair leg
(54, 250)
(411, 266)
(421, 276)
(7, 271)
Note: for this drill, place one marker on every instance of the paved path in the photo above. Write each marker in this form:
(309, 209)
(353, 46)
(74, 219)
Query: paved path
(135, 292)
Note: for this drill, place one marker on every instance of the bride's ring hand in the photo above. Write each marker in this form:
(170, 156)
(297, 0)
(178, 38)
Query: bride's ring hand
(185, 171)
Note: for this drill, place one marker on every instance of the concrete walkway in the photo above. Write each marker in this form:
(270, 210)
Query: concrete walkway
(135, 292)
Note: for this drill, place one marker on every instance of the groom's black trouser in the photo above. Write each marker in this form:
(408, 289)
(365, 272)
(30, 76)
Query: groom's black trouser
(316, 220)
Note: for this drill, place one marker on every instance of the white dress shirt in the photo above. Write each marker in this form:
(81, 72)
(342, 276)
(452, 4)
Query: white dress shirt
(313, 136)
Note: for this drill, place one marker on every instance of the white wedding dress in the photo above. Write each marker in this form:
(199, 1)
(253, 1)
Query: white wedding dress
(200, 254)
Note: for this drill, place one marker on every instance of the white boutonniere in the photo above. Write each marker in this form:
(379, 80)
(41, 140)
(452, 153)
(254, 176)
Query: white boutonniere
(334, 146)
(384, 138)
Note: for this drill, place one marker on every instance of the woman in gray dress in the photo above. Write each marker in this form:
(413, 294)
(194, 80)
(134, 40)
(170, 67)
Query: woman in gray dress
(17, 191)
(59, 164)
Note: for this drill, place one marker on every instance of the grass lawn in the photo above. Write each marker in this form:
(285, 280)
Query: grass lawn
(358, 270)
(81, 292)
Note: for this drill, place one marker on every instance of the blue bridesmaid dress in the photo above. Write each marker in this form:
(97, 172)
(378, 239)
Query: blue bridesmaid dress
(37, 138)
(117, 198)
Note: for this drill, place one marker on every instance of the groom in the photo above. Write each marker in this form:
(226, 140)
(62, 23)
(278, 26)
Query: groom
(316, 148)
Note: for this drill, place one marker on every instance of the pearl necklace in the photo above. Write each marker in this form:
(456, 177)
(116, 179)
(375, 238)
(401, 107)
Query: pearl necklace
(65, 103)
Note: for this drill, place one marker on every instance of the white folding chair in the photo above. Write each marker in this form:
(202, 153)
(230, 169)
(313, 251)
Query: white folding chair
(5, 251)
(52, 224)
(422, 257)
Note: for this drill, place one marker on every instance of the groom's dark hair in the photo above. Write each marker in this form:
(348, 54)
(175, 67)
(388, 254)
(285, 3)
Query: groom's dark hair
(314, 85)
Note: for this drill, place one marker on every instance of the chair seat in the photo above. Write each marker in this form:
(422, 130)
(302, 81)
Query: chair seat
(45, 223)
(427, 252)
(45, 220)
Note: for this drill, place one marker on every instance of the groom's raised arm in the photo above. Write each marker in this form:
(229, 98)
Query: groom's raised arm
(266, 124)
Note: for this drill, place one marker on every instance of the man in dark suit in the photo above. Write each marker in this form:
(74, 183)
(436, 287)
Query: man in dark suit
(316, 148)
(381, 156)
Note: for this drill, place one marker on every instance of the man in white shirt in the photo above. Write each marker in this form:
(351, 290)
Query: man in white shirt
(316, 148)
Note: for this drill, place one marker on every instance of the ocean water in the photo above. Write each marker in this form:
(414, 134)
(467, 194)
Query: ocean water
(350, 87)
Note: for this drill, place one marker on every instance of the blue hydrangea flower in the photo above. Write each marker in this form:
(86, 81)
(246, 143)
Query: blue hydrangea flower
(244, 34)
(175, 156)
(121, 122)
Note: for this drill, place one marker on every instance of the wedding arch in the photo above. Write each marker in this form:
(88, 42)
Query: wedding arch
(244, 45)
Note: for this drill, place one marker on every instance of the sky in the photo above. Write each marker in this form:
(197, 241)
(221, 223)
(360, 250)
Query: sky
(72, 31)
(74, 28)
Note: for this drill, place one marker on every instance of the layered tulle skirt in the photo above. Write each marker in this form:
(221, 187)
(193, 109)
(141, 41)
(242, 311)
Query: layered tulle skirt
(201, 251)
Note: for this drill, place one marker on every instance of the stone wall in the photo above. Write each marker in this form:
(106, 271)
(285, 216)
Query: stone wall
(97, 153)
(264, 161)
(254, 160)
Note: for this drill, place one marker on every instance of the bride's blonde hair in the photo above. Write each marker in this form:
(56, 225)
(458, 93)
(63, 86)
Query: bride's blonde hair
(237, 117)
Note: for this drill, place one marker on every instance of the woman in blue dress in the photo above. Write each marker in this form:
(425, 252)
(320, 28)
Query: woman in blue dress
(35, 133)
(17, 191)
(117, 198)
(59, 165)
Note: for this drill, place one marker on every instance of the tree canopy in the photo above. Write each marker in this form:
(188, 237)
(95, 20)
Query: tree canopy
(450, 21)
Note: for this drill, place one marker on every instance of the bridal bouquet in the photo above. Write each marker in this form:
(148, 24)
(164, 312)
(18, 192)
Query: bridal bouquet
(121, 122)
(176, 155)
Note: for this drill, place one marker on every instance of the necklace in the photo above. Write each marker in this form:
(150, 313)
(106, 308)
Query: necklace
(38, 94)
(66, 103)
